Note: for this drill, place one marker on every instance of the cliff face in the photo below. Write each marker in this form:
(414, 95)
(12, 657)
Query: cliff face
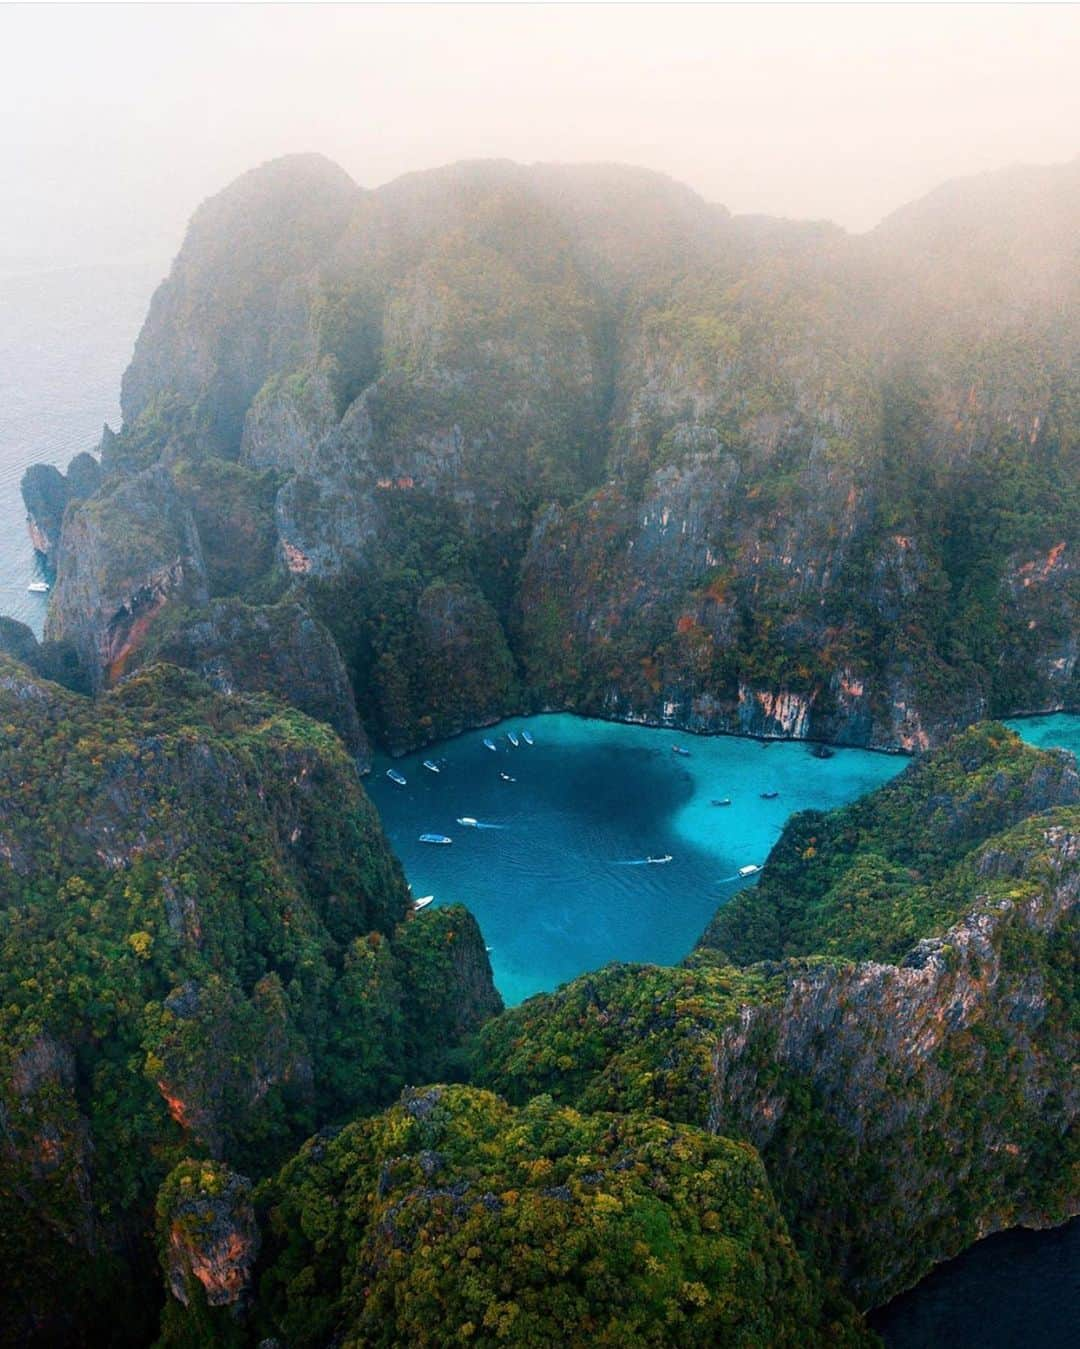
(279, 649)
(207, 949)
(723, 473)
(123, 556)
(904, 1105)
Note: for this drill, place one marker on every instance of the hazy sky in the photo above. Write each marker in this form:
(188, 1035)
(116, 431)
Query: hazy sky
(118, 120)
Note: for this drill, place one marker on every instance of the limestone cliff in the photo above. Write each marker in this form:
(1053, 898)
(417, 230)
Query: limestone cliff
(725, 473)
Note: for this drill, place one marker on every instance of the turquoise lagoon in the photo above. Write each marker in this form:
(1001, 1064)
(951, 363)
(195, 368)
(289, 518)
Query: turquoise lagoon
(557, 873)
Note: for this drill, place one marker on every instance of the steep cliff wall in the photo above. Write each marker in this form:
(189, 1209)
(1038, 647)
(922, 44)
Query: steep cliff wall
(721, 473)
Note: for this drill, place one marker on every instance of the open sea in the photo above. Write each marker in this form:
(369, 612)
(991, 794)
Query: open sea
(66, 336)
(558, 873)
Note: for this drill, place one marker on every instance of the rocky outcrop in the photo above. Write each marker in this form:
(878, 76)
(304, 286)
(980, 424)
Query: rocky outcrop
(208, 949)
(533, 1226)
(208, 1235)
(46, 493)
(216, 331)
(940, 1090)
(123, 555)
(278, 649)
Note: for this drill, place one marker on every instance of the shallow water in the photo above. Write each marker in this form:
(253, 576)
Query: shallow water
(560, 883)
(1057, 730)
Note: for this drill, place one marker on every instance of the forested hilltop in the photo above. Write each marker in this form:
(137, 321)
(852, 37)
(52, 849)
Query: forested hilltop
(517, 436)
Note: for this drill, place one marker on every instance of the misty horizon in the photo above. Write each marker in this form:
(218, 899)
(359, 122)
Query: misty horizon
(123, 119)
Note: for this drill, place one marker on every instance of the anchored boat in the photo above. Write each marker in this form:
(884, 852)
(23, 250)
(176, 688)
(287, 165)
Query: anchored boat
(489, 744)
(422, 902)
(431, 766)
(442, 839)
(395, 776)
(512, 738)
(527, 737)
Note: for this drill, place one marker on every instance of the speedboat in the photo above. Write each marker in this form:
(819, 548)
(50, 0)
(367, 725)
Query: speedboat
(512, 738)
(395, 776)
(658, 861)
(38, 587)
(489, 744)
(436, 838)
(431, 766)
(422, 902)
(468, 821)
(722, 801)
(769, 796)
(507, 778)
(749, 870)
(678, 749)
(525, 735)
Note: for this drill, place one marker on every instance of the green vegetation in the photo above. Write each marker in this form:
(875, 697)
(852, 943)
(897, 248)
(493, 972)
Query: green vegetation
(455, 1219)
(867, 881)
(202, 946)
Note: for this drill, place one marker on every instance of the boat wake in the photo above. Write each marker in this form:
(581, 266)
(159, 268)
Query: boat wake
(645, 861)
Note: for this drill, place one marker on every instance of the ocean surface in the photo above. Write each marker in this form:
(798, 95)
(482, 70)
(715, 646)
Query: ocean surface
(66, 336)
(557, 871)
(1015, 1290)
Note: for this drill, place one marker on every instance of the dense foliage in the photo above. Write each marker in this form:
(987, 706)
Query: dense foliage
(866, 881)
(202, 946)
(455, 1219)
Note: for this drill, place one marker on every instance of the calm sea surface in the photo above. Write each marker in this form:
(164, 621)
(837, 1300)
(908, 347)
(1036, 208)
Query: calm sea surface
(557, 872)
(65, 338)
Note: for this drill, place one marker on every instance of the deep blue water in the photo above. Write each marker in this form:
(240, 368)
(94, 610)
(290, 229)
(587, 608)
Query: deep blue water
(65, 339)
(1016, 1290)
(557, 875)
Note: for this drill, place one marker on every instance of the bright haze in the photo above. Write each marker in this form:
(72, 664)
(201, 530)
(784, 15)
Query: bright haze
(118, 120)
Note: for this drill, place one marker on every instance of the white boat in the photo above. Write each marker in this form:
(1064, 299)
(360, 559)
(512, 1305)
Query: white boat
(38, 587)
(468, 821)
(431, 766)
(489, 744)
(658, 861)
(507, 778)
(395, 776)
(422, 902)
(442, 839)
(512, 738)
(527, 737)
(749, 870)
